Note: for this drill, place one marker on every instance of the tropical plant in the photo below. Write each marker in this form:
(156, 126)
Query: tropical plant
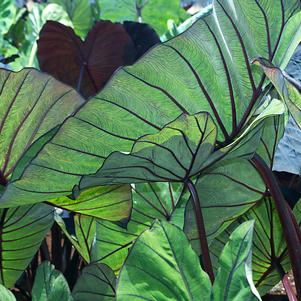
(186, 135)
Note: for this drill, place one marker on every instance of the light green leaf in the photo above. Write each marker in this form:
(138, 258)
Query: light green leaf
(234, 277)
(97, 282)
(288, 88)
(204, 69)
(176, 153)
(5, 294)
(22, 231)
(50, 284)
(225, 191)
(8, 12)
(32, 103)
(162, 266)
(80, 13)
(113, 203)
(162, 201)
(85, 231)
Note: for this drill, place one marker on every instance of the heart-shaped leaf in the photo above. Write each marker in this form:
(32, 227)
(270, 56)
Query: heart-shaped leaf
(22, 231)
(204, 69)
(97, 282)
(86, 65)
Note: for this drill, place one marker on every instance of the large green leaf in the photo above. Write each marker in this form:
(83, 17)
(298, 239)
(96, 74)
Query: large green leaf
(234, 278)
(85, 231)
(162, 266)
(204, 69)
(174, 154)
(113, 203)
(50, 284)
(97, 282)
(162, 201)
(22, 230)
(32, 103)
(288, 88)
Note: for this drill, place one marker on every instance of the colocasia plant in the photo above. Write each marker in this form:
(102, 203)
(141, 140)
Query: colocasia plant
(173, 154)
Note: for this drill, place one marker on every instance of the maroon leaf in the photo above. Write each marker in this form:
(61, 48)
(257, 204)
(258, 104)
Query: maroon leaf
(85, 65)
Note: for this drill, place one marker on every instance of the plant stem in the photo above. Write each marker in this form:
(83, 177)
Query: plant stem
(201, 230)
(288, 288)
(289, 230)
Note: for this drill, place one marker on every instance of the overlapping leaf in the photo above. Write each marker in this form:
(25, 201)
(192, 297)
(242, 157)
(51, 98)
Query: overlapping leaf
(204, 69)
(288, 88)
(22, 230)
(162, 266)
(269, 247)
(31, 104)
(226, 191)
(174, 154)
(113, 203)
(162, 201)
(85, 231)
(96, 283)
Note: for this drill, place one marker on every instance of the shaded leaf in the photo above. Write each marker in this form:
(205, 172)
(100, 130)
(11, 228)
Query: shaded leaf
(50, 284)
(22, 231)
(113, 203)
(85, 231)
(97, 282)
(86, 65)
(162, 266)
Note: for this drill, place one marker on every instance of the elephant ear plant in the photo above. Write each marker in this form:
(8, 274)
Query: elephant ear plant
(189, 112)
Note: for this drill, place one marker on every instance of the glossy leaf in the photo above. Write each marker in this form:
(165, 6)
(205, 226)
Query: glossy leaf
(97, 282)
(32, 103)
(162, 201)
(175, 153)
(113, 203)
(162, 266)
(50, 284)
(22, 231)
(204, 69)
(288, 88)
(85, 231)
(86, 65)
(234, 276)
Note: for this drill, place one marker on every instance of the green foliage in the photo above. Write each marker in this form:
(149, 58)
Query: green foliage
(50, 285)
